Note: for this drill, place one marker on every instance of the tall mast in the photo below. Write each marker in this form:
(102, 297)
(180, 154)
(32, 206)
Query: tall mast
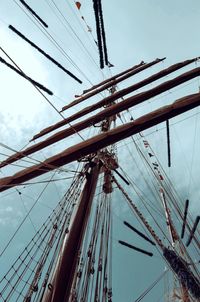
(174, 238)
(63, 278)
(64, 275)
(66, 265)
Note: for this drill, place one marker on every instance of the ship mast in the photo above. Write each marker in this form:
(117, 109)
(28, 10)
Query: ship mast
(66, 265)
(101, 159)
(174, 238)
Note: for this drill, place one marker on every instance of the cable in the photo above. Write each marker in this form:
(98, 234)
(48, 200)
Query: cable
(24, 219)
(151, 286)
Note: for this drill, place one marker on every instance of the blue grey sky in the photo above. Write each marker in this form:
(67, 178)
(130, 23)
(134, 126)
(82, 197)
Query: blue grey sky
(136, 30)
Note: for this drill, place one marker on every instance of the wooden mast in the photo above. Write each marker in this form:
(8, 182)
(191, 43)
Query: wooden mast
(65, 268)
(67, 263)
(174, 238)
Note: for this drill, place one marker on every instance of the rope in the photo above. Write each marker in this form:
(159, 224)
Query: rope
(24, 219)
(54, 42)
(151, 286)
(50, 103)
(29, 265)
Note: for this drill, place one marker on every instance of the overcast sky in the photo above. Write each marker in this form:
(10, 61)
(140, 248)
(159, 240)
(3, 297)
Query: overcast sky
(135, 30)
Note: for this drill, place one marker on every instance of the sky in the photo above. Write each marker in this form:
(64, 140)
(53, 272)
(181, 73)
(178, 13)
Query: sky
(136, 30)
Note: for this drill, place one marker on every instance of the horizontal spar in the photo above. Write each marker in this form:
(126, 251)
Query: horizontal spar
(23, 75)
(102, 140)
(113, 78)
(44, 53)
(193, 230)
(135, 248)
(34, 13)
(112, 83)
(109, 111)
(138, 232)
(184, 218)
(117, 95)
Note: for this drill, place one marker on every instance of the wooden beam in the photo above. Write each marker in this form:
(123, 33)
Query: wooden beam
(113, 77)
(184, 218)
(111, 110)
(102, 140)
(168, 144)
(114, 97)
(111, 83)
(193, 230)
(135, 248)
(67, 261)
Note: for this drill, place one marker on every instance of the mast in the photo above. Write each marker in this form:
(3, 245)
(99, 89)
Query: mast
(66, 265)
(60, 264)
(172, 232)
(174, 238)
(65, 272)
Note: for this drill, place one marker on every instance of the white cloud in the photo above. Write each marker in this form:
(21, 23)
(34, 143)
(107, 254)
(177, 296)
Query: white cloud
(10, 216)
(22, 107)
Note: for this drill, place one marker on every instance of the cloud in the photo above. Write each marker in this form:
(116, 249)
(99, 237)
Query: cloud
(10, 217)
(22, 107)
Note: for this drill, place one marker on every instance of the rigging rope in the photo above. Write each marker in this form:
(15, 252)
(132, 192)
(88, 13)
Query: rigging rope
(174, 199)
(140, 298)
(29, 265)
(93, 267)
(24, 219)
(75, 34)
